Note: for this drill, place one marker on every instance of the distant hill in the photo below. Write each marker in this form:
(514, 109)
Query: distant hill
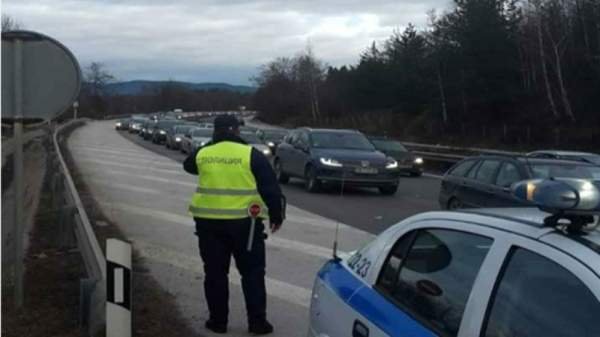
(137, 87)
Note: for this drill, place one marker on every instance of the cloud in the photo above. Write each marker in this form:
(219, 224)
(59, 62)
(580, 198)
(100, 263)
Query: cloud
(214, 40)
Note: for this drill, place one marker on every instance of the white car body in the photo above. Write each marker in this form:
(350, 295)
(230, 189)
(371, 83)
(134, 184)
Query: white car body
(347, 302)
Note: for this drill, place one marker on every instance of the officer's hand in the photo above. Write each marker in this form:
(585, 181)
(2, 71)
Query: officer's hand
(275, 227)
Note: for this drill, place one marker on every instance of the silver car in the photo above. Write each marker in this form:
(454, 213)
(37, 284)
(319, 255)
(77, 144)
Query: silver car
(195, 138)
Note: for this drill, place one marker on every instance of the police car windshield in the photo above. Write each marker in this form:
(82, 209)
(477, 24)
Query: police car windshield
(250, 138)
(202, 133)
(388, 145)
(341, 140)
(548, 170)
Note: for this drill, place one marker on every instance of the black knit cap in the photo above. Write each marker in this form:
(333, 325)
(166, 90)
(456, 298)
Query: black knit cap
(226, 122)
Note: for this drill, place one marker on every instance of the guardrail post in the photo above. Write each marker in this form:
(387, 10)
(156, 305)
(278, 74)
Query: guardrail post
(65, 226)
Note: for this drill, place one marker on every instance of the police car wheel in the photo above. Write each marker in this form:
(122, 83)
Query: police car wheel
(312, 184)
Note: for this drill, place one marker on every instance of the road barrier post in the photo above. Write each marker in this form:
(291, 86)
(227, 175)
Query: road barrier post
(118, 288)
(66, 226)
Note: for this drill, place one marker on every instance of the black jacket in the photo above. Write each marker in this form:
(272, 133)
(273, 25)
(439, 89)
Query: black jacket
(266, 182)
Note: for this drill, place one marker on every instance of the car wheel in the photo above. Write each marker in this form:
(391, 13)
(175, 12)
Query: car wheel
(416, 174)
(388, 190)
(454, 203)
(311, 183)
(281, 177)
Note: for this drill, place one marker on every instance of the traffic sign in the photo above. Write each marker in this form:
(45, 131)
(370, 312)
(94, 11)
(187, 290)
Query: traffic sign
(41, 78)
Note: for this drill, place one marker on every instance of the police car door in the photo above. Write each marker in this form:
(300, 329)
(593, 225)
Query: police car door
(422, 282)
(540, 291)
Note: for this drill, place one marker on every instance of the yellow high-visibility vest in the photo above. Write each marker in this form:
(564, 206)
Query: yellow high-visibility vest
(226, 185)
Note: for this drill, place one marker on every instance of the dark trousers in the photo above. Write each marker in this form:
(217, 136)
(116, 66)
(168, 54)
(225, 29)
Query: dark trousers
(218, 241)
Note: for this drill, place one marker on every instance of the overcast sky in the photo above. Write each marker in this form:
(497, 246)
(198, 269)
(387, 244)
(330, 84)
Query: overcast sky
(214, 40)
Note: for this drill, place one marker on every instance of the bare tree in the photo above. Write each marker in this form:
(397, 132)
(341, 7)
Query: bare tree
(8, 23)
(97, 77)
(542, 53)
(310, 72)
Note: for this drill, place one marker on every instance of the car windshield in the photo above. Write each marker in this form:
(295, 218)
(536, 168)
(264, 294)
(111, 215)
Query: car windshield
(388, 145)
(250, 138)
(183, 128)
(202, 133)
(547, 170)
(166, 124)
(341, 140)
(274, 135)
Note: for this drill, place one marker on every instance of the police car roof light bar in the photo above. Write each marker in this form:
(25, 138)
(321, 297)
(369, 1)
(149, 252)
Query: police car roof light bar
(573, 203)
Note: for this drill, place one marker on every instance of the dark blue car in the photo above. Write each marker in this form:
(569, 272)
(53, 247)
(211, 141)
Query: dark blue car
(326, 156)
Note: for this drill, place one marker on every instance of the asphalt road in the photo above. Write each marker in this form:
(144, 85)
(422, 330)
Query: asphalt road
(146, 194)
(362, 208)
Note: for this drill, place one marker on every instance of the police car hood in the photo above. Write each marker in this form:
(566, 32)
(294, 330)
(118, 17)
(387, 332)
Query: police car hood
(373, 157)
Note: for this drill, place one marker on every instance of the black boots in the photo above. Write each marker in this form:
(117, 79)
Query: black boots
(215, 327)
(260, 328)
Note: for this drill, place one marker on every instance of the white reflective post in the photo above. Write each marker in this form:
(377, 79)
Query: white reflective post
(118, 288)
(18, 171)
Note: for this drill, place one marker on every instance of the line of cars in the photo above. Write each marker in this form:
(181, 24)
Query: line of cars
(321, 157)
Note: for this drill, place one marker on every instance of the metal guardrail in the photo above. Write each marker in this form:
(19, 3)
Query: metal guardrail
(74, 219)
(452, 154)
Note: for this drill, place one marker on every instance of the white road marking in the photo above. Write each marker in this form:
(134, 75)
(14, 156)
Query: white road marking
(126, 148)
(126, 158)
(273, 241)
(126, 187)
(430, 175)
(150, 177)
(137, 167)
(282, 290)
(157, 158)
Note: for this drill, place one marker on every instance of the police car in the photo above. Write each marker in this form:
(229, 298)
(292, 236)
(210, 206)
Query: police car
(490, 273)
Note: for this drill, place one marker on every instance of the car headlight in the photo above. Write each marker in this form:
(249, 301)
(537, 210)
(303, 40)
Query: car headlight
(330, 162)
(266, 152)
(391, 164)
(177, 139)
(270, 144)
(118, 124)
(162, 132)
(419, 160)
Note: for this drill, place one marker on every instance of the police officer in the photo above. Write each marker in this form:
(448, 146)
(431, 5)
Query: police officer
(233, 178)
